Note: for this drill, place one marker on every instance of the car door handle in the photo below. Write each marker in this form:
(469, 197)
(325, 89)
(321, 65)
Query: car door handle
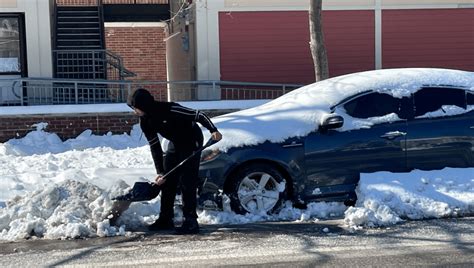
(393, 134)
(292, 144)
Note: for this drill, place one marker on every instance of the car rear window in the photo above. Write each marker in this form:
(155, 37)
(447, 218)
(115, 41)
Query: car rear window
(433, 99)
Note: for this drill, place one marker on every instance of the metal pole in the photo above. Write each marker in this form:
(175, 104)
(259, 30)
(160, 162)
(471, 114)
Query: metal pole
(22, 95)
(76, 93)
(213, 87)
(93, 64)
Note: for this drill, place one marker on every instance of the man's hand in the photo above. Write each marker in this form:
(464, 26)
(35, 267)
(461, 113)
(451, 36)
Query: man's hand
(216, 135)
(159, 180)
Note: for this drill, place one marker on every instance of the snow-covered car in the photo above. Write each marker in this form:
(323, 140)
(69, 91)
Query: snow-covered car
(313, 143)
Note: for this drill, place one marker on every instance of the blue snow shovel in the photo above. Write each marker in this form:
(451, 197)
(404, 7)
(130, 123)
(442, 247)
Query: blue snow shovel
(143, 191)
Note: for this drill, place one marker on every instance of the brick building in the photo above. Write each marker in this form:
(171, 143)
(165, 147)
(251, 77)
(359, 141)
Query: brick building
(79, 39)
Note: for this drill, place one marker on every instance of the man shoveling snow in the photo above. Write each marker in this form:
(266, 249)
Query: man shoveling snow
(179, 126)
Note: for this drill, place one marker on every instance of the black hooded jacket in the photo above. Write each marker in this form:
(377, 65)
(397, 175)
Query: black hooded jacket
(172, 121)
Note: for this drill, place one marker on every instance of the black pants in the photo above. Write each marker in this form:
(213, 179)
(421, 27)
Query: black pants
(187, 178)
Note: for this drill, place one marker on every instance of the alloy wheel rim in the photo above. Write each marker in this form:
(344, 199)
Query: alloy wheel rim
(258, 192)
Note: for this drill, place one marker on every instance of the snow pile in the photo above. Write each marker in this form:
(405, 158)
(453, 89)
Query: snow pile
(118, 142)
(53, 192)
(386, 198)
(35, 142)
(314, 212)
(74, 209)
(41, 142)
(70, 209)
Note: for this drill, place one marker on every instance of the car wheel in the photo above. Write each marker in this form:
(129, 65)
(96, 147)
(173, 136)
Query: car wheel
(257, 188)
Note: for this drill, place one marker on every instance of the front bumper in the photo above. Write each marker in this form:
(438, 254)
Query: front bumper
(213, 175)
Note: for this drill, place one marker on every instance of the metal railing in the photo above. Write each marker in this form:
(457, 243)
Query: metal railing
(115, 67)
(78, 2)
(42, 91)
(89, 64)
(135, 2)
(108, 2)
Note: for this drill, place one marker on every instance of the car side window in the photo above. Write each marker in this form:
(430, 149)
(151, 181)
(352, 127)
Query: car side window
(372, 105)
(470, 98)
(433, 99)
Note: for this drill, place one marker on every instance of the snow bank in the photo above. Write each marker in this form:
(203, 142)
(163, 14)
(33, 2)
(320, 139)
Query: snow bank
(314, 212)
(386, 198)
(70, 209)
(41, 142)
(73, 209)
(53, 191)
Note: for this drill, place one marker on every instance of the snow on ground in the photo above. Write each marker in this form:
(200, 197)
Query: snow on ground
(122, 107)
(386, 198)
(59, 190)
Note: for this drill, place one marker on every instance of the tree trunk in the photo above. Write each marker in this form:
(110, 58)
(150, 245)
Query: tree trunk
(318, 50)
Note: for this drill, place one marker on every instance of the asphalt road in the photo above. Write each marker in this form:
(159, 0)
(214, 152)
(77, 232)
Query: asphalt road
(444, 242)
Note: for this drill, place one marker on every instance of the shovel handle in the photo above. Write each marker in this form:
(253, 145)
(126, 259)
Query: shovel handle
(207, 144)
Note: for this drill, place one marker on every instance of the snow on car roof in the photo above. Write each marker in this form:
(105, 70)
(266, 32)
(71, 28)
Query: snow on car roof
(299, 112)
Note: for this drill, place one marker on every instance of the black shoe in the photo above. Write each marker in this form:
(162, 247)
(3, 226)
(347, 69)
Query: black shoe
(161, 225)
(188, 227)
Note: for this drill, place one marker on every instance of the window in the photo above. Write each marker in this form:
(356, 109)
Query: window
(372, 105)
(470, 98)
(10, 44)
(433, 99)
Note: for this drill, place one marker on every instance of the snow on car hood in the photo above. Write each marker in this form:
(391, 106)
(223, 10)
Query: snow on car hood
(301, 111)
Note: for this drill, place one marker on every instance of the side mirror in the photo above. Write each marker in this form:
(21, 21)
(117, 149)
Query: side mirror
(332, 122)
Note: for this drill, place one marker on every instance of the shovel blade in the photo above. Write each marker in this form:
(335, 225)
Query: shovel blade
(141, 191)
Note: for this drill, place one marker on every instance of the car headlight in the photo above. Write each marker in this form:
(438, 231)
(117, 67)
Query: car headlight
(208, 155)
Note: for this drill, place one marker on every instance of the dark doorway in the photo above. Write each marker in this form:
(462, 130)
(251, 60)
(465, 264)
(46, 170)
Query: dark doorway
(13, 45)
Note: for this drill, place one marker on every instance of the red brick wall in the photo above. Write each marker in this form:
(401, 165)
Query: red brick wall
(66, 126)
(143, 52)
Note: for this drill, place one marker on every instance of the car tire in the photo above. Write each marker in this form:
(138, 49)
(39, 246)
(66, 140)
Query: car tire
(256, 188)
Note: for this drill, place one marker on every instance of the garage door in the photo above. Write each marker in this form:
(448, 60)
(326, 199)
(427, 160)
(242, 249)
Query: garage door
(428, 38)
(273, 46)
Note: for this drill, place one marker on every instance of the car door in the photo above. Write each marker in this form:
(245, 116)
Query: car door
(440, 133)
(334, 159)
